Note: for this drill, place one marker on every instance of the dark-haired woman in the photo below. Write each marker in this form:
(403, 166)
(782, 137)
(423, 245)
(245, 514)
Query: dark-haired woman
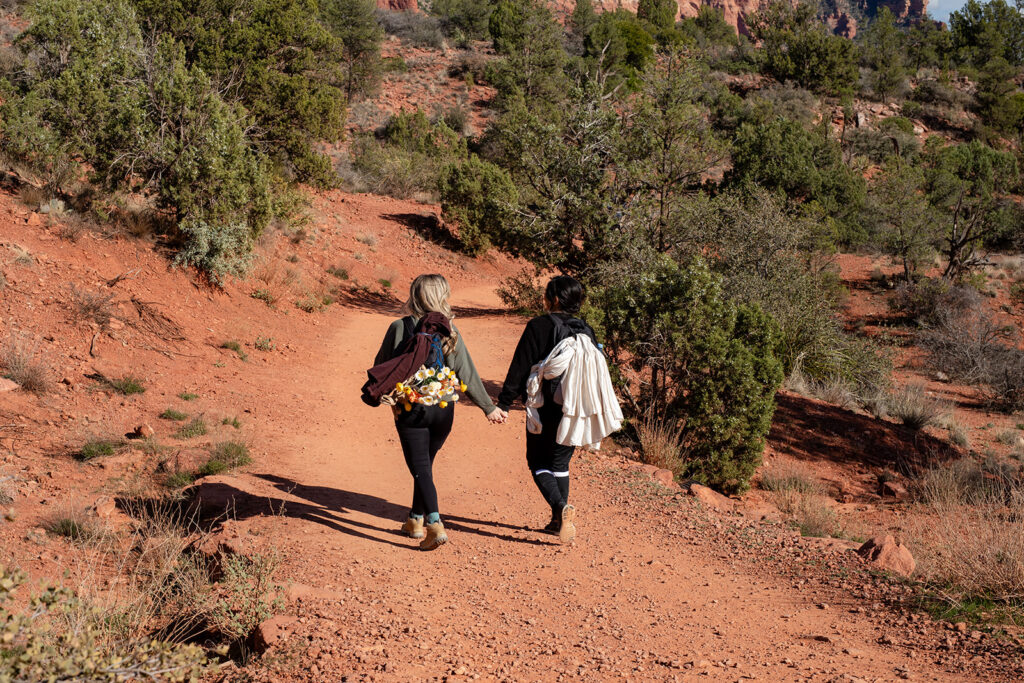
(548, 460)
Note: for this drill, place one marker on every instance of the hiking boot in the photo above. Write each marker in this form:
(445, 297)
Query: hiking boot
(413, 528)
(435, 537)
(567, 530)
(553, 527)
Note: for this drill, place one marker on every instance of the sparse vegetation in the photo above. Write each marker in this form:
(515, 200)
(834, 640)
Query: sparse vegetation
(232, 422)
(265, 343)
(188, 396)
(338, 272)
(75, 525)
(912, 406)
(225, 456)
(127, 385)
(23, 364)
(235, 346)
(265, 296)
(97, 448)
(174, 415)
(195, 427)
(660, 444)
(92, 307)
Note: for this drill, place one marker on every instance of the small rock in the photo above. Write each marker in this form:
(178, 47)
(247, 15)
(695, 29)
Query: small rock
(104, 506)
(274, 630)
(895, 490)
(144, 431)
(712, 499)
(666, 478)
(7, 385)
(888, 555)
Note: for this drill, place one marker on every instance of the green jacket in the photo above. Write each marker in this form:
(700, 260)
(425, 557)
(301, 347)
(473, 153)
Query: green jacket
(458, 360)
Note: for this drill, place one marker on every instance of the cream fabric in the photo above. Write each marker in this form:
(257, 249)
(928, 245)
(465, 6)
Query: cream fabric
(590, 410)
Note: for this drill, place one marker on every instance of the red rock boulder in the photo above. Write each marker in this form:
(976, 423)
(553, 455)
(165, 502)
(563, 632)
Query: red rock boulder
(887, 555)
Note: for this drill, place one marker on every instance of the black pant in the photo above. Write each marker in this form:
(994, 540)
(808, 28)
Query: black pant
(549, 460)
(422, 431)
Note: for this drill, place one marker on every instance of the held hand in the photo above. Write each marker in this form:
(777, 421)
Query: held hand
(497, 416)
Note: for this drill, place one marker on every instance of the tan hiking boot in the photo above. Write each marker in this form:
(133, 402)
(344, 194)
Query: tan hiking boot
(436, 537)
(413, 528)
(567, 532)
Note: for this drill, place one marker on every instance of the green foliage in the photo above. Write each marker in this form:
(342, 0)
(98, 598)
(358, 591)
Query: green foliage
(354, 23)
(1000, 103)
(143, 119)
(274, 57)
(883, 53)
(250, 595)
(928, 45)
(526, 34)
(127, 385)
(798, 47)
(908, 228)
(468, 18)
(583, 18)
(480, 198)
(806, 165)
(98, 448)
(235, 346)
(621, 45)
(174, 415)
(188, 396)
(407, 155)
(708, 28)
(661, 14)
(195, 427)
(967, 183)
(708, 364)
(223, 457)
(984, 31)
(37, 645)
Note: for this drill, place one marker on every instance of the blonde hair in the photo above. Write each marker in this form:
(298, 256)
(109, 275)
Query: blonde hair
(429, 294)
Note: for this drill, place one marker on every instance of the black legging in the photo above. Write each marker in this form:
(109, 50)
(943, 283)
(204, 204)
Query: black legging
(549, 460)
(422, 431)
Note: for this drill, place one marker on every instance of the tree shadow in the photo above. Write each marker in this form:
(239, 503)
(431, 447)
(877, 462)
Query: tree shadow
(364, 299)
(813, 431)
(426, 226)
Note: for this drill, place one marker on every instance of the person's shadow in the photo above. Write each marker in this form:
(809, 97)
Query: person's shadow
(326, 505)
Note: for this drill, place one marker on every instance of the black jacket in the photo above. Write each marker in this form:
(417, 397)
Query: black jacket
(534, 346)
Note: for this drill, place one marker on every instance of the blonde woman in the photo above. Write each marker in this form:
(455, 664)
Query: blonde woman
(422, 429)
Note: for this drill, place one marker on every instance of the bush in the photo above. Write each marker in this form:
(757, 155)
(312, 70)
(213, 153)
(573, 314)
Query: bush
(930, 301)
(521, 295)
(175, 415)
(407, 155)
(914, 408)
(127, 385)
(195, 427)
(660, 443)
(225, 456)
(98, 448)
(480, 198)
(788, 477)
(709, 365)
(464, 19)
(39, 646)
(23, 365)
(416, 28)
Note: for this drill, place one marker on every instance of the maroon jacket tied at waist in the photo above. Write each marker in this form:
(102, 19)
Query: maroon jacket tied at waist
(413, 353)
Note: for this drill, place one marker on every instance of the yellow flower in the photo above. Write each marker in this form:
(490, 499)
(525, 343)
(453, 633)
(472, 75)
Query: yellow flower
(400, 386)
(462, 386)
(407, 406)
(444, 404)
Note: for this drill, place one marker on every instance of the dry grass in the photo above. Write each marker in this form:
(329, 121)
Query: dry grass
(915, 409)
(798, 496)
(22, 363)
(967, 532)
(789, 476)
(94, 307)
(660, 443)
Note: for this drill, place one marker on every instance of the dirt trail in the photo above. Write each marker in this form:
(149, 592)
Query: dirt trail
(640, 595)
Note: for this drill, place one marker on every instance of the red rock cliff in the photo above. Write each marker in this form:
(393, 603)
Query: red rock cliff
(398, 5)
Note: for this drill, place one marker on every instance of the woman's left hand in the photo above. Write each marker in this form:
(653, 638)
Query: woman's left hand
(497, 416)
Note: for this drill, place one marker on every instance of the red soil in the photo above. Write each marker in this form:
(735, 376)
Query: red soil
(655, 588)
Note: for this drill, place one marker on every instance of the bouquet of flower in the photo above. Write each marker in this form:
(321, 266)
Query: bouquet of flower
(429, 387)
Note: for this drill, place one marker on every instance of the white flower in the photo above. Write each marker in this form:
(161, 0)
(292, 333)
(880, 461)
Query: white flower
(434, 388)
(455, 398)
(421, 375)
(429, 400)
(430, 372)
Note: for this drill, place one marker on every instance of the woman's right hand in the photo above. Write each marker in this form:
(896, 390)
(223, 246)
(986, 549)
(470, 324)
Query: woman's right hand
(497, 416)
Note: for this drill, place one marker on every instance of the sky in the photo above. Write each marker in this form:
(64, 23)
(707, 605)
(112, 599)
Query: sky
(941, 9)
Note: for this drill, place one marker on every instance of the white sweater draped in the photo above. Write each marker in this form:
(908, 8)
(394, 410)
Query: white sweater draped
(590, 410)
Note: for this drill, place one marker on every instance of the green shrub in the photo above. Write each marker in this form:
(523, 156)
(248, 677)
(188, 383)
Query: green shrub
(798, 47)
(175, 415)
(479, 198)
(38, 645)
(710, 363)
(225, 456)
(231, 422)
(468, 19)
(237, 348)
(195, 427)
(97, 448)
(417, 28)
(127, 385)
(188, 396)
(407, 155)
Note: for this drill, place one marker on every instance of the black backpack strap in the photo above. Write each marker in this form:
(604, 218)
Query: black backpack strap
(410, 327)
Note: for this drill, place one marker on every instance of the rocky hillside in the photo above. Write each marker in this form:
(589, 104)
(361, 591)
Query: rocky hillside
(844, 16)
